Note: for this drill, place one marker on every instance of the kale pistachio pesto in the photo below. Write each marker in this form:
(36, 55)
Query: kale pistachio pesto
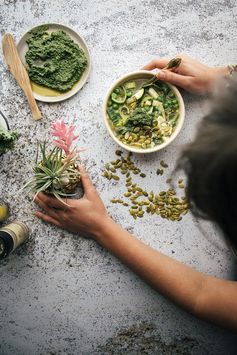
(54, 60)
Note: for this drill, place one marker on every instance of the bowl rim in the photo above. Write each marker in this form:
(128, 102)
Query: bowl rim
(82, 81)
(141, 150)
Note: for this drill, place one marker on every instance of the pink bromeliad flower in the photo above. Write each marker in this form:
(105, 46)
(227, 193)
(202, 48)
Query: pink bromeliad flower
(65, 137)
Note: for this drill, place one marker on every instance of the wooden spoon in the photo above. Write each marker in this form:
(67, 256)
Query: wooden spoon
(19, 72)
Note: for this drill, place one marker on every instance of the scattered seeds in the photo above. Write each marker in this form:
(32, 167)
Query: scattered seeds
(159, 171)
(118, 152)
(115, 177)
(165, 203)
(163, 164)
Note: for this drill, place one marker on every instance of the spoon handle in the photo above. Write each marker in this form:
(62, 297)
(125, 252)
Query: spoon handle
(19, 72)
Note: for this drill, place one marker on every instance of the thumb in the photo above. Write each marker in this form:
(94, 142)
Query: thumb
(85, 179)
(174, 78)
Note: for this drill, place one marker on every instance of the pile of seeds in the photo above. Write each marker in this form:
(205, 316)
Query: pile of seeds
(166, 203)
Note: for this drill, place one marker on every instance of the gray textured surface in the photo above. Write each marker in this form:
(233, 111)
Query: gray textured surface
(62, 294)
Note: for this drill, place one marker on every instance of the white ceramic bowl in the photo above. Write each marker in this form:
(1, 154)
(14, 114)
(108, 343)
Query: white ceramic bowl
(143, 74)
(22, 48)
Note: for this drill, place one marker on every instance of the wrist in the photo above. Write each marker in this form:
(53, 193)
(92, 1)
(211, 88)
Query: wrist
(221, 72)
(103, 228)
(215, 75)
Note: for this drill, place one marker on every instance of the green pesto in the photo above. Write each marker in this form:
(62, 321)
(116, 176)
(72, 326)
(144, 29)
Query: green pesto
(54, 60)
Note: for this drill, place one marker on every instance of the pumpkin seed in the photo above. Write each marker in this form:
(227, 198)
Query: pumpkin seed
(115, 177)
(127, 134)
(136, 129)
(163, 164)
(135, 202)
(119, 164)
(159, 171)
(143, 175)
(118, 152)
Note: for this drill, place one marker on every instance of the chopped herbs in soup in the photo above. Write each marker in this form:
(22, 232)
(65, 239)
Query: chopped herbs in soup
(141, 115)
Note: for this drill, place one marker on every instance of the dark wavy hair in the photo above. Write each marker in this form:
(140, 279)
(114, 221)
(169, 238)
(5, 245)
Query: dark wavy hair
(210, 163)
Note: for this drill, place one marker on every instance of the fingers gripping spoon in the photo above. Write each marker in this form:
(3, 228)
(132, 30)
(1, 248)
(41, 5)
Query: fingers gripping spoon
(172, 64)
(19, 72)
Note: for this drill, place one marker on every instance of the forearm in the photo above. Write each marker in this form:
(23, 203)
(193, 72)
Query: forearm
(166, 275)
(206, 297)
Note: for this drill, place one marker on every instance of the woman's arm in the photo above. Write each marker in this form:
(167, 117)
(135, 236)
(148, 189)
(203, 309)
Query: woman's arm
(207, 297)
(191, 75)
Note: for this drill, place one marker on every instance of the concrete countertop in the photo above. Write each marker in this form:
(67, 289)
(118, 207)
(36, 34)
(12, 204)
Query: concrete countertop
(62, 294)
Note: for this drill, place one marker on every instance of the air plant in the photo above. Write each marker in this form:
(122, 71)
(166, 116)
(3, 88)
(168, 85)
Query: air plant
(57, 172)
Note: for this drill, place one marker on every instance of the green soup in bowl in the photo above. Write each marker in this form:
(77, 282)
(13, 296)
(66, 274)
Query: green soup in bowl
(140, 116)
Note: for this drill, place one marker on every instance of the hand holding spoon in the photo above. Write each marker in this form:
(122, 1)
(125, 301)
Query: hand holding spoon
(172, 64)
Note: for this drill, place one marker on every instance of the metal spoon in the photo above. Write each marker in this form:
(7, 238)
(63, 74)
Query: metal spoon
(172, 64)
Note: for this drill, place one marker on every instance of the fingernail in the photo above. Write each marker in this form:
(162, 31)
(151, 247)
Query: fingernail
(161, 75)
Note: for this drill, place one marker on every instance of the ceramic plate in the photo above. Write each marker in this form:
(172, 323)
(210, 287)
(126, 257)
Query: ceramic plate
(3, 121)
(23, 47)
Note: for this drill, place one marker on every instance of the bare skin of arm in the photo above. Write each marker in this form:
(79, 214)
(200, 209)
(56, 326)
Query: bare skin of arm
(206, 297)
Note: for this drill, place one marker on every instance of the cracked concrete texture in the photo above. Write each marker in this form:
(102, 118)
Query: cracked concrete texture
(61, 294)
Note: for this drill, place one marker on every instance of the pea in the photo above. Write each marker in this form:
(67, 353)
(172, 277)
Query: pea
(110, 103)
(169, 102)
(129, 94)
(174, 102)
(166, 105)
(147, 108)
(156, 108)
(172, 95)
(117, 91)
(115, 106)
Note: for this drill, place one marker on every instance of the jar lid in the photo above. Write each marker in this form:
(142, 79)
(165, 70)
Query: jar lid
(6, 244)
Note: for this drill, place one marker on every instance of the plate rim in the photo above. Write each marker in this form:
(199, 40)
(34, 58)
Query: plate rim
(4, 119)
(67, 95)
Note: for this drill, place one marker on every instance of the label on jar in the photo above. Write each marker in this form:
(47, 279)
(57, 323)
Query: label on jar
(18, 231)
